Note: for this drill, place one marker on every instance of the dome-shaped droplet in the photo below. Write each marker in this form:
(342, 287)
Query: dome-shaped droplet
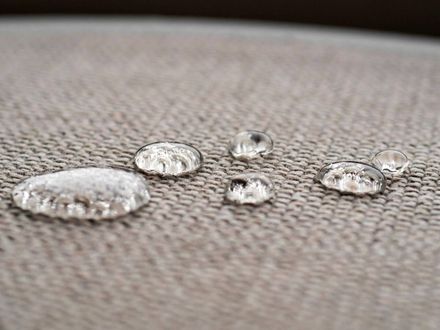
(352, 177)
(391, 161)
(250, 144)
(249, 189)
(168, 159)
(83, 193)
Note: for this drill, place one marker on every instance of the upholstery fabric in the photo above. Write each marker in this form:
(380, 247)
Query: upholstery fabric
(87, 92)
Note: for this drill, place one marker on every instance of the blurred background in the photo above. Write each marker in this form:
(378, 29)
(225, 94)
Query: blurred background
(406, 16)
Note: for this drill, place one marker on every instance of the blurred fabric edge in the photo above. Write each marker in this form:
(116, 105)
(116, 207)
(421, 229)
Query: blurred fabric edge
(243, 28)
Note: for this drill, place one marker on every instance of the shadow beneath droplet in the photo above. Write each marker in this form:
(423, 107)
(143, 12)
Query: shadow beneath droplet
(126, 220)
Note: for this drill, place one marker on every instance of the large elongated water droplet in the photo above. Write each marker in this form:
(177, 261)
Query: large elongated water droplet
(391, 161)
(83, 193)
(352, 177)
(168, 159)
(250, 144)
(249, 188)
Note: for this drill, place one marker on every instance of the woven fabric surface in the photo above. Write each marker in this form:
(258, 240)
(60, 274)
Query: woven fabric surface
(83, 93)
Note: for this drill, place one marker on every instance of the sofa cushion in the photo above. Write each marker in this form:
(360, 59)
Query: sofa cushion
(91, 92)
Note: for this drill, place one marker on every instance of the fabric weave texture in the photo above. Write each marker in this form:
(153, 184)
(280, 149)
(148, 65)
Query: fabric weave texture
(82, 93)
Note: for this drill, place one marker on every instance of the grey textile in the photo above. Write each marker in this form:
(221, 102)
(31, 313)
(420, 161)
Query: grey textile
(90, 93)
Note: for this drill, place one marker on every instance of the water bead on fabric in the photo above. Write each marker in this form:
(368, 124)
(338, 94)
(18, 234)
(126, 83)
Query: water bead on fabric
(248, 145)
(352, 177)
(250, 188)
(168, 159)
(83, 193)
(391, 161)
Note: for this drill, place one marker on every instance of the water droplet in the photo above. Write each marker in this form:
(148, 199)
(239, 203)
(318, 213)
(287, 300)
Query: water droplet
(391, 161)
(249, 189)
(250, 144)
(352, 177)
(83, 193)
(168, 159)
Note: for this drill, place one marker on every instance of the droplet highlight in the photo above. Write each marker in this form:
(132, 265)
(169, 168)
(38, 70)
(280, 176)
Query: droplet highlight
(391, 161)
(83, 193)
(248, 145)
(249, 189)
(352, 177)
(168, 159)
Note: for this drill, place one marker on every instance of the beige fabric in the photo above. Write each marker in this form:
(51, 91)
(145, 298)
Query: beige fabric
(85, 93)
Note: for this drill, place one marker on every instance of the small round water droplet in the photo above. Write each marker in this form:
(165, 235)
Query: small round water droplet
(168, 159)
(83, 193)
(249, 189)
(391, 161)
(250, 144)
(352, 177)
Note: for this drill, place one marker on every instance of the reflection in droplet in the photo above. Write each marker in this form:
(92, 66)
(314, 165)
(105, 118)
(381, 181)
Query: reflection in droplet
(83, 193)
(168, 159)
(352, 177)
(250, 188)
(391, 161)
(250, 144)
